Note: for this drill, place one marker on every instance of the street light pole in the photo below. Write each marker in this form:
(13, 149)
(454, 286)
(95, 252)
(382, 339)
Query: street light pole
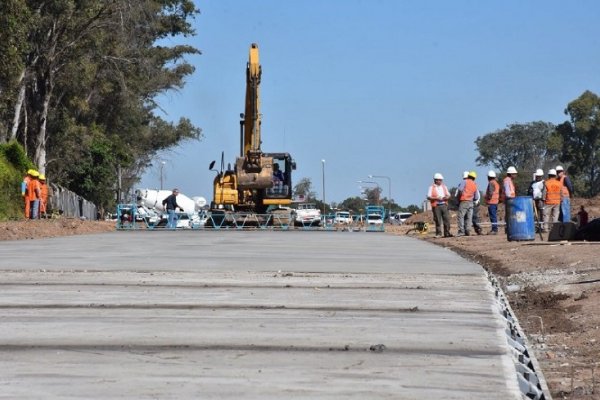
(162, 166)
(389, 191)
(323, 170)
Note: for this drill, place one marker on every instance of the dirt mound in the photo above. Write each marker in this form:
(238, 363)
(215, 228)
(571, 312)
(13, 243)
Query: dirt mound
(45, 228)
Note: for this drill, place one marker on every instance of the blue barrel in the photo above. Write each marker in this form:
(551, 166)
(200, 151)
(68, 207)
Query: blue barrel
(519, 220)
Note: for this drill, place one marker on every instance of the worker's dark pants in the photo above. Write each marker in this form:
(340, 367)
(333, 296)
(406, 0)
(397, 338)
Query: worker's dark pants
(475, 220)
(441, 215)
(493, 211)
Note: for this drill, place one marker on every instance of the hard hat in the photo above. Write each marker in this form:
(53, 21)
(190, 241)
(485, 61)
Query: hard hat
(438, 176)
(491, 174)
(539, 172)
(552, 172)
(35, 174)
(559, 168)
(473, 174)
(42, 177)
(511, 170)
(465, 174)
(30, 171)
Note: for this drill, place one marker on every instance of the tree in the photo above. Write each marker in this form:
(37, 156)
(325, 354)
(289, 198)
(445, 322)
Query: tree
(373, 195)
(525, 146)
(303, 189)
(581, 142)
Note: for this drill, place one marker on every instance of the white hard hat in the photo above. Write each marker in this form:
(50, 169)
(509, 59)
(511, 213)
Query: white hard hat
(438, 176)
(491, 174)
(465, 174)
(511, 170)
(559, 168)
(539, 172)
(552, 172)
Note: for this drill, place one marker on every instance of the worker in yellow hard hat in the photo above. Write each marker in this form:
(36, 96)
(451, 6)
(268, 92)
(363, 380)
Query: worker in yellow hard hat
(43, 195)
(24, 192)
(33, 195)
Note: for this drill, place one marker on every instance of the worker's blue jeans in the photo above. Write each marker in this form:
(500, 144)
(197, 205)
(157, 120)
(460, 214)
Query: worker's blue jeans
(171, 219)
(493, 211)
(565, 209)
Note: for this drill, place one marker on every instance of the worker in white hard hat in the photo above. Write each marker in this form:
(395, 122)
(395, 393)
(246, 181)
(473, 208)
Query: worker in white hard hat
(438, 195)
(567, 192)
(467, 193)
(536, 191)
(492, 197)
(508, 191)
(552, 197)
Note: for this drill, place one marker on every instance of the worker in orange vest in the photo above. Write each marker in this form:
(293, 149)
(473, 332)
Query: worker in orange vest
(43, 195)
(567, 192)
(438, 195)
(492, 198)
(467, 193)
(33, 195)
(24, 192)
(552, 197)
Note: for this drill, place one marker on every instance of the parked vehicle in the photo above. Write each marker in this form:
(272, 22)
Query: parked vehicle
(400, 217)
(307, 214)
(342, 217)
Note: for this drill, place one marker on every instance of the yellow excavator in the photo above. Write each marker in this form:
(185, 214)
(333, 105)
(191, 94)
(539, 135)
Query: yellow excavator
(260, 182)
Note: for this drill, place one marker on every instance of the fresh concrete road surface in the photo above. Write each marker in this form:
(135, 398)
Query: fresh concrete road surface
(247, 315)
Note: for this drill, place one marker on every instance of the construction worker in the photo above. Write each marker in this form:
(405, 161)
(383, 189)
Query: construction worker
(43, 195)
(567, 191)
(33, 195)
(476, 221)
(466, 195)
(170, 204)
(438, 195)
(508, 191)
(492, 198)
(552, 197)
(24, 184)
(536, 191)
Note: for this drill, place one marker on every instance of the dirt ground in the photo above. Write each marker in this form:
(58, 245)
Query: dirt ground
(553, 287)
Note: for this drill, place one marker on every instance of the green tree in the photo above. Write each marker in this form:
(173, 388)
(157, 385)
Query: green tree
(581, 143)
(526, 146)
(304, 189)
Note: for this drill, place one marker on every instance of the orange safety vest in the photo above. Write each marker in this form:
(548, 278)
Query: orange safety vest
(511, 186)
(31, 189)
(469, 191)
(553, 191)
(564, 189)
(495, 199)
(434, 202)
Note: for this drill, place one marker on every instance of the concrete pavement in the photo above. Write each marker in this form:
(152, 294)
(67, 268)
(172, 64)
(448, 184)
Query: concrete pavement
(254, 315)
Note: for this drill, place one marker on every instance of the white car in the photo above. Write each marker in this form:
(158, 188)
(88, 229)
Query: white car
(307, 214)
(400, 217)
(374, 219)
(342, 217)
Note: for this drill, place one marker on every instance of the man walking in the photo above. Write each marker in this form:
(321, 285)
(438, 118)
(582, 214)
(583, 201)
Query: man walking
(438, 196)
(567, 191)
(170, 204)
(492, 197)
(465, 195)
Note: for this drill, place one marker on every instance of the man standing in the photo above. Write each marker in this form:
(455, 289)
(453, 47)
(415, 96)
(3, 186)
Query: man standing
(466, 195)
(43, 195)
(438, 195)
(509, 191)
(170, 204)
(567, 191)
(536, 191)
(33, 195)
(492, 197)
(552, 196)
(28, 177)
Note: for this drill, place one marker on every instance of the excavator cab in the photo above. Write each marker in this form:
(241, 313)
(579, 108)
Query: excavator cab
(281, 190)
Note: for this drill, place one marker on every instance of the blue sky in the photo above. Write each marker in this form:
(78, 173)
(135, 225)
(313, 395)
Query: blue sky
(394, 88)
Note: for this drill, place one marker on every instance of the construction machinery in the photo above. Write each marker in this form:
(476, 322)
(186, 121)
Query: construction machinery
(259, 183)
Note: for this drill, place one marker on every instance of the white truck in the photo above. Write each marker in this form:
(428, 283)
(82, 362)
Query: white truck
(307, 214)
